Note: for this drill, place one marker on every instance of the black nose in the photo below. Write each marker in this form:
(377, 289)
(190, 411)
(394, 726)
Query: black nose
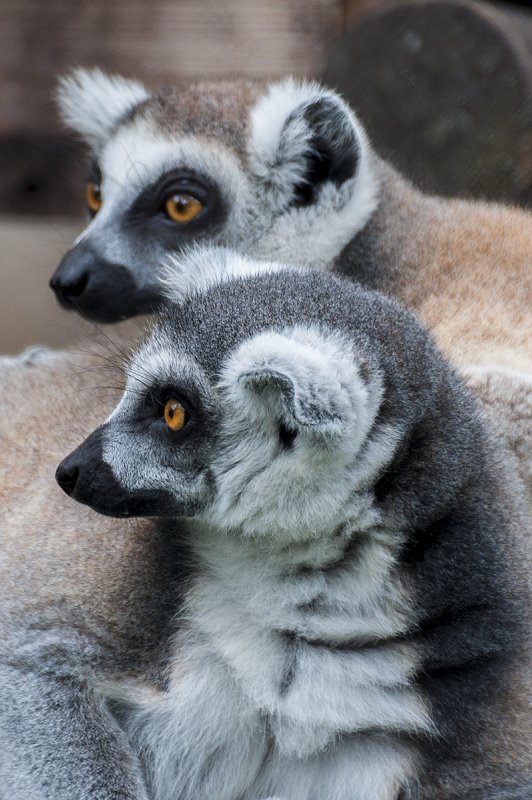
(101, 290)
(69, 286)
(67, 475)
(71, 278)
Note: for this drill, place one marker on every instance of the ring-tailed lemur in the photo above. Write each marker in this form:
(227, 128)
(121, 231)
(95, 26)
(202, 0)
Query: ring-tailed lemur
(89, 580)
(353, 607)
(285, 171)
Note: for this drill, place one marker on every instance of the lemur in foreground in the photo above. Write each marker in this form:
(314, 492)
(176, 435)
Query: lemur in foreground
(349, 614)
(335, 602)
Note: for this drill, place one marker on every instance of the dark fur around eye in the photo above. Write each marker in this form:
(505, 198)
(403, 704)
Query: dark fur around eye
(156, 399)
(147, 217)
(152, 198)
(287, 436)
(94, 174)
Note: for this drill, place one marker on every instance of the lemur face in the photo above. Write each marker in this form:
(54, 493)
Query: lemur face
(281, 172)
(242, 417)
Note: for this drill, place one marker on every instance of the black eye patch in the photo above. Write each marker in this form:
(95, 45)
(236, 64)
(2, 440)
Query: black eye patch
(156, 399)
(147, 217)
(151, 199)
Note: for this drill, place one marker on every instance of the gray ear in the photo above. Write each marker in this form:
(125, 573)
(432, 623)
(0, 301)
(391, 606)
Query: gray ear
(303, 136)
(92, 102)
(305, 404)
(303, 378)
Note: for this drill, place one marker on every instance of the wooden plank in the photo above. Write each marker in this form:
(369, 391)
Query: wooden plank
(157, 41)
(444, 89)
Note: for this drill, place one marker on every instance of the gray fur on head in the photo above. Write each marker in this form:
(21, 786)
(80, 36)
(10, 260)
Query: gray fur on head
(353, 621)
(285, 171)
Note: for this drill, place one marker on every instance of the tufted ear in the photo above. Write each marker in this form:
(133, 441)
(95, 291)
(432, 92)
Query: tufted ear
(301, 137)
(307, 380)
(302, 403)
(92, 102)
(201, 266)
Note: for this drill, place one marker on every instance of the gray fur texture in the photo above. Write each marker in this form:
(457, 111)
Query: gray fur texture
(353, 616)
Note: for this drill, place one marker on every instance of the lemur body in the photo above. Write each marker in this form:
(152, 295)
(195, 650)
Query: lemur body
(353, 618)
(63, 584)
(464, 267)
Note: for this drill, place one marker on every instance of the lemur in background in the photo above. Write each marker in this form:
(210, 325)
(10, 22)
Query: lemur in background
(80, 569)
(285, 171)
(354, 593)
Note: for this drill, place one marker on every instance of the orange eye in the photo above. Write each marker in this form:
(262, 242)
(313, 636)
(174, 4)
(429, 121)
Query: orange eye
(175, 415)
(182, 207)
(94, 197)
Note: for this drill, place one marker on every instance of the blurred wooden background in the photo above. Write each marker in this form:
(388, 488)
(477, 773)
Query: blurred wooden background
(42, 169)
(443, 86)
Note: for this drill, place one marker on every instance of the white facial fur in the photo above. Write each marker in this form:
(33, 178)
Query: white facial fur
(151, 468)
(200, 268)
(332, 410)
(137, 156)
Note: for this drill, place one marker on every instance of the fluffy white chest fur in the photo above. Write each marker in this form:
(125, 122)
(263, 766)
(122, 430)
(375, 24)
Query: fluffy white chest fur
(292, 677)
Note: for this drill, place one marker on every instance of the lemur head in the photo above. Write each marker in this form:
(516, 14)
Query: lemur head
(262, 405)
(282, 171)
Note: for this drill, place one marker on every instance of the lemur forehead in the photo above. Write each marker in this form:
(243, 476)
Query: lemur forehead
(163, 360)
(218, 111)
(232, 308)
(139, 154)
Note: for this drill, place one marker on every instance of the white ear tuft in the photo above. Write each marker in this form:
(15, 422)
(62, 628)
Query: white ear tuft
(303, 135)
(92, 102)
(274, 156)
(309, 378)
(201, 266)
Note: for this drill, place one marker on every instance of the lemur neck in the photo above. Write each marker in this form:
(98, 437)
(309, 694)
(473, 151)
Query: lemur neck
(283, 550)
(384, 254)
(343, 588)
